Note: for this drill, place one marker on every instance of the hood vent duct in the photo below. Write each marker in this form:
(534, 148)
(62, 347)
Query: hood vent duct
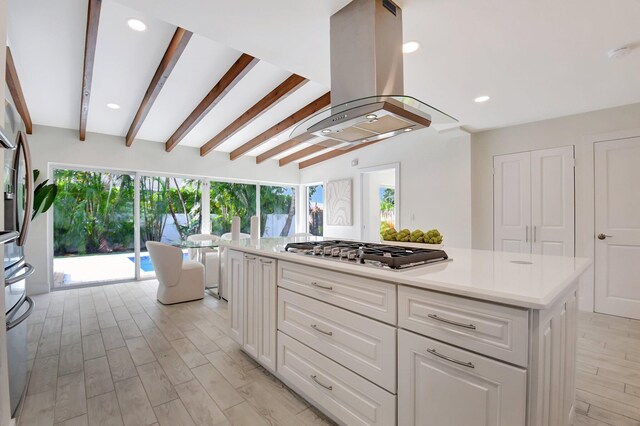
(367, 87)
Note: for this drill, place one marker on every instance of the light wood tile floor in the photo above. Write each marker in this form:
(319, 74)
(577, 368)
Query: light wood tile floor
(114, 355)
(608, 376)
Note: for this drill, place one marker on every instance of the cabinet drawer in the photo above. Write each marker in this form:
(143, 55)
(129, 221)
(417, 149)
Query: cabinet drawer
(494, 330)
(361, 344)
(348, 397)
(372, 298)
(439, 384)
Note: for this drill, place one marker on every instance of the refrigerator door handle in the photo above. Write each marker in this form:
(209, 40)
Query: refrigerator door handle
(29, 189)
(16, 322)
(15, 277)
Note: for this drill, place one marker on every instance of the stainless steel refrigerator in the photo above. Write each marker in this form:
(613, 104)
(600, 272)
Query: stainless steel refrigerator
(18, 199)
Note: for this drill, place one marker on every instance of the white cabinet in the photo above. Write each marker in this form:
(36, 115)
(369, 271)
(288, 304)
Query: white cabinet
(363, 345)
(260, 309)
(252, 300)
(534, 202)
(235, 280)
(439, 384)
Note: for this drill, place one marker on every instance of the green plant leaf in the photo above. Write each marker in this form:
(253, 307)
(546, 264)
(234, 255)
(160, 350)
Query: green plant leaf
(43, 198)
(36, 173)
(40, 185)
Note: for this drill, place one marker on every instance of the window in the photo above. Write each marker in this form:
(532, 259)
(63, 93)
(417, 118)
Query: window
(277, 211)
(315, 209)
(93, 228)
(228, 200)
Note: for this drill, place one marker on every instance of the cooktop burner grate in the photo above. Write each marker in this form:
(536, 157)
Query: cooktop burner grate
(380, 255)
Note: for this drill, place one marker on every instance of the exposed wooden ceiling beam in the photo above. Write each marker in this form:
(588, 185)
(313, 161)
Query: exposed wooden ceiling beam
(237, 71)
(304, 152)
(288, 86)
(294, 118)
(177, 45)
(13, 82)
(284, 146)
(90, 41)
(332, 154)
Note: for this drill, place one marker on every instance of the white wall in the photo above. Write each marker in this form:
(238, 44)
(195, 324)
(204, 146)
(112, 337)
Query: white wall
(50, 145)
(435, 182)
(576, 130)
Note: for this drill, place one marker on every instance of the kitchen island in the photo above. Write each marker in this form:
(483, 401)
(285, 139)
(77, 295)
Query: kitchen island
(483, 338)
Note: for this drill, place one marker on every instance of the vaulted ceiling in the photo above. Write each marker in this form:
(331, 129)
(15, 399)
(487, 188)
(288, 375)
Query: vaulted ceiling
(536, 60)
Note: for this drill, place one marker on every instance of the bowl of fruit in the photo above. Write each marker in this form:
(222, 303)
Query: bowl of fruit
(416, 238)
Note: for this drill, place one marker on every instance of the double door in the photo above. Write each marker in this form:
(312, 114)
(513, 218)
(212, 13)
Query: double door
(252, 305)
(534, 203)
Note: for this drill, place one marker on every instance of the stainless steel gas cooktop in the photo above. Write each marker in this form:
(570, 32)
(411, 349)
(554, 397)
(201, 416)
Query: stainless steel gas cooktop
(378, 255)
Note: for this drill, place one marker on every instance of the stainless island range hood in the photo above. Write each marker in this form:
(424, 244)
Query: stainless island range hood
(367, 87)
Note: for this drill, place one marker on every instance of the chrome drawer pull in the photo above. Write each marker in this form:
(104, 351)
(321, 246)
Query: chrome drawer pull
(265, 261)
(315, 327)
(250, 258)
(315, 379)
(459, 324)
(326, 287)
(455, 361)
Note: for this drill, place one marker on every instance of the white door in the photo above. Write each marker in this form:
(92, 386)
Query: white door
(512, 202)
(267, 313)
(617, 227)
(442, 385)
(552, 201)
(235, 260)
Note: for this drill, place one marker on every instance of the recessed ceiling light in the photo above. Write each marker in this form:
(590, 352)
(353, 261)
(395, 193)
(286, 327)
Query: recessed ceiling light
(136, 25)
(408, 129)
(326, 131)
(410, 47)
(480, 99)
(113, 106)
(370, 116)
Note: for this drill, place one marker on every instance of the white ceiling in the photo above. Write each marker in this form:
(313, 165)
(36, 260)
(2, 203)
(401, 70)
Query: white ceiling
(536, 60)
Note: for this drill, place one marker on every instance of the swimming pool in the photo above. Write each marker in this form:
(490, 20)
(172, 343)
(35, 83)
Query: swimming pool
(145, 262)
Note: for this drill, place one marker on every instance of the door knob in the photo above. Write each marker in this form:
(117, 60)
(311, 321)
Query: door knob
(603, 236)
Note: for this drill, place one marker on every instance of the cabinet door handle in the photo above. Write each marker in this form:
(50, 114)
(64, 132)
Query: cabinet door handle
(447, 358)
(266, 261)
(448, 321)
(535, 233)
(315, 379)
(250, 258)
(326, 287)
(315, 327)
(526, 234)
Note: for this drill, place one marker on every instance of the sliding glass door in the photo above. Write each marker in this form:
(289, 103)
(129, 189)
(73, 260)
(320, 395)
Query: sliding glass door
(277, 211)
(102, 220)
(93, 227)
(170, 210)
(228, 200)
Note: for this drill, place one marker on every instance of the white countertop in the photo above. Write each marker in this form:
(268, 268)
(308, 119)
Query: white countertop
(480, 274)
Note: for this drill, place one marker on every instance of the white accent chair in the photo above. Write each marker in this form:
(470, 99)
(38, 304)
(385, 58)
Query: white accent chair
(223, 263)
(211, 258)
(178, 281)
